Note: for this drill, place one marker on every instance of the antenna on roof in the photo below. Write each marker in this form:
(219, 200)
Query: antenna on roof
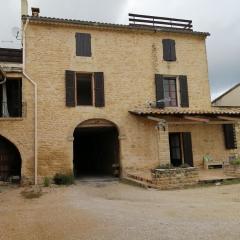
(16, 33)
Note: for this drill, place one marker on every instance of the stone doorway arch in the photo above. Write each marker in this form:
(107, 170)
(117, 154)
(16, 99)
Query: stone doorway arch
(96, 149)
(10, 161)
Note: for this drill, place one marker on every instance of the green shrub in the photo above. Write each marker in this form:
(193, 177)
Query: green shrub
(235, 161)
(185, 165)
(166, 166)
(207, 158)
(46, 182)
(170, 166)
(63, 179)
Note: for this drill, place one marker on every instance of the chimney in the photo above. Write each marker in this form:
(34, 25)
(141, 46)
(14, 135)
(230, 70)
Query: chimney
(24, 7)
(35, 12)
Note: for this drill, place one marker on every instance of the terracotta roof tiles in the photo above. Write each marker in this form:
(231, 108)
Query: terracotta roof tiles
(185, 111)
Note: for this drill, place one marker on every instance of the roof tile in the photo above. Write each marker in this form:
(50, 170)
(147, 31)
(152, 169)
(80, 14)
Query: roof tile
(185, 111)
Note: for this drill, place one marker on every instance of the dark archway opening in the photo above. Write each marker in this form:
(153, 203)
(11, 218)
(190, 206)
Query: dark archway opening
(96, 151)
(10, 161)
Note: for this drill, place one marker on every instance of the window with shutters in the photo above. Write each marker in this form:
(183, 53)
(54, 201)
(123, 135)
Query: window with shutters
(171, 91)
(11, 98)
(83, 45)
(84, 89)
(169, 50)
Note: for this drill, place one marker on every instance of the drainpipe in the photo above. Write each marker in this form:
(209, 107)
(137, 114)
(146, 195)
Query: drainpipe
(35, 106)
(5, 112)
(4, 76)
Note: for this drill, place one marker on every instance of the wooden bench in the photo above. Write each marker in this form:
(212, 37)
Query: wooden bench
(209, 162)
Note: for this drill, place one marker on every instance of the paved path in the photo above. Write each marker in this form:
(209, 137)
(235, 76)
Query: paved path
(117, 211)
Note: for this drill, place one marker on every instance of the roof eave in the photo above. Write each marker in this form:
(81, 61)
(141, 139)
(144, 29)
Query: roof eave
(225, 93)
(107, 25)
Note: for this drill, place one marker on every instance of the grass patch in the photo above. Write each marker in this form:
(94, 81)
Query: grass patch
(235, 162)
(231, 181)
(219, 183)
(63, 179)
(46, 182)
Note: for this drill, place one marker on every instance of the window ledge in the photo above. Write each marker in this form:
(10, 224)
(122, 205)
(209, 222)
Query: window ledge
(84, 58)
(11, 118)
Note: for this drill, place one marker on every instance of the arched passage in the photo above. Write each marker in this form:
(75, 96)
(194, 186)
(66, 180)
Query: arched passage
(96, 149)
(10, 161)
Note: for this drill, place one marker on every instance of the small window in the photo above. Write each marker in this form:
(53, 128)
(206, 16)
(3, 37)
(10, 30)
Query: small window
(83, 44)
(170, 92)
(84, 89)
(11, 98)
(169, 50)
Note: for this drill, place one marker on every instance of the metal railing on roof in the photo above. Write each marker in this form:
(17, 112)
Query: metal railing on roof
(159, 22)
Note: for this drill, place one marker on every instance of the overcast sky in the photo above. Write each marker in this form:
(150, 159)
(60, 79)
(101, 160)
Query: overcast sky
(219, 17)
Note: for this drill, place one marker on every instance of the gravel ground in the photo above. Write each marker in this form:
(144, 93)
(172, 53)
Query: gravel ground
(118, 211)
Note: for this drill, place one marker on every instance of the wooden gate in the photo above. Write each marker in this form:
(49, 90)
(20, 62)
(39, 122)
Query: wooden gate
(10, 160)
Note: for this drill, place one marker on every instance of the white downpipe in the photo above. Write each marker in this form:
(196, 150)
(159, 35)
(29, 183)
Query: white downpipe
(35, 106)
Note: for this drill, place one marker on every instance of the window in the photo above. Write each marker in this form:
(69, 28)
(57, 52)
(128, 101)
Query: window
(180, 145)
(83, 44)
(11, 98)
(169, 50)
(170, 92)
(84, 89)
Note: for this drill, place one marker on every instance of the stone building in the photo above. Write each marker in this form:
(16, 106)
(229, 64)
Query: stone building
(230, 98)
(107, 99)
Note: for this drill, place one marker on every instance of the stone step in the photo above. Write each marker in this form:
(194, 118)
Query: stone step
(138, 183)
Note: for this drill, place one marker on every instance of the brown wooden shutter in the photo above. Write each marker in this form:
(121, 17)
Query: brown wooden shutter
(70, 81)
(83, 44)
(187, 148)
(1, 113)
(184, 91)
(159, 90)
(99, 89)
(169, 50)
(173, 50)
(230, 136)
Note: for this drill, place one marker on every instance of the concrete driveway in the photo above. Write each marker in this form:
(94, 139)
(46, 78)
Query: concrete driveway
(117, 211)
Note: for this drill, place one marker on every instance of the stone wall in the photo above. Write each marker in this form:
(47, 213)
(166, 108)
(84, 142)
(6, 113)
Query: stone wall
(175, 178)
(129, 60)
(232, 170)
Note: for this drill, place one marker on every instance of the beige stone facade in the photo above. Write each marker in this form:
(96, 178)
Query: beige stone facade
(129, 58)
(230, 98)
